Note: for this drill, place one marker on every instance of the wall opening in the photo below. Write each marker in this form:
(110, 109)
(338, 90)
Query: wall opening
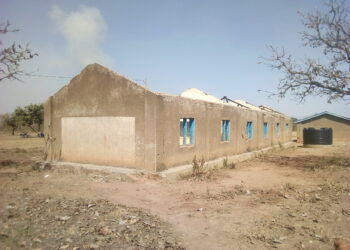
(187, 129)
(277, 129)
(225, 130)
(249, 130)
(266, 129)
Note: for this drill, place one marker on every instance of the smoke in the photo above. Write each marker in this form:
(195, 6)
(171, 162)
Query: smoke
(83, 31)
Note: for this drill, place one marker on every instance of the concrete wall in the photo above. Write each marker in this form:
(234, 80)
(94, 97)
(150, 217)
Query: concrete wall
(106, 140)
(208, 117)
(340, 127)
(99, 92)
(75, 126)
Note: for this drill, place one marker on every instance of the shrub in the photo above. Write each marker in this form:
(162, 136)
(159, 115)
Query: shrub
(198, 167)
(226, 164)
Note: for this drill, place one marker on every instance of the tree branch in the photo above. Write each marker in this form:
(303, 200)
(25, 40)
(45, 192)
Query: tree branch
(331, 78)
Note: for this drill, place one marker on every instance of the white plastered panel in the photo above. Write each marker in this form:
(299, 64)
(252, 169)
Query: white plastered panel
(99, 140)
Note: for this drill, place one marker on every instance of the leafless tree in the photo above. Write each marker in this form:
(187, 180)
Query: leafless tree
(12, 57)
(327, 76)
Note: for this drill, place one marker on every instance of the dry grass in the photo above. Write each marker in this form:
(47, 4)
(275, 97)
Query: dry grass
(226, 164)
(308, 162)
(200, 172)
(17, 142)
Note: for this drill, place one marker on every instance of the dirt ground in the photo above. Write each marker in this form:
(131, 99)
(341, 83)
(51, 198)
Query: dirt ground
(290, 199)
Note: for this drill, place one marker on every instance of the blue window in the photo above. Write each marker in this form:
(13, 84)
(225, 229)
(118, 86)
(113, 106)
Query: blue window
(287, 128)
(266, 128)
(225, 130)
(249, 130)
(277, 129)
(187, 126)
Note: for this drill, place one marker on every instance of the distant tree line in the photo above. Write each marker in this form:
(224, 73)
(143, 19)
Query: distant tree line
(31, 116)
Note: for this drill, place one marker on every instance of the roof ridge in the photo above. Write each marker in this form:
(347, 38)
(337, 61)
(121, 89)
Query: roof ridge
(320, 114)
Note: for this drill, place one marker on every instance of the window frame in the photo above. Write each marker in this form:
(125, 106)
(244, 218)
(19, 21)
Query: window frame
(225, 130)
(249, 130)
(187, 131)
(277, 129)
(265, 129)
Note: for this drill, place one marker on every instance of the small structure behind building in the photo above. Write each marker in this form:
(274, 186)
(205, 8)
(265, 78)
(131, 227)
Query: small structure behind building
(340, 125)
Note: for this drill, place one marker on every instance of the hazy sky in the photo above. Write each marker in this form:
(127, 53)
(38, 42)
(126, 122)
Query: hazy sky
(174, 44)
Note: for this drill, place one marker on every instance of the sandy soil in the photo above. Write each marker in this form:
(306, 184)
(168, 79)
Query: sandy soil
(290, 199)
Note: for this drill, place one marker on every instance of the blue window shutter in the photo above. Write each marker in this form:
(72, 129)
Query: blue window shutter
(227, 129)
(251, 130)
(249, 127)
(265, 129)
(222, 130)
(247, 130)
(192, 127)
(184, 130)
(277, 129)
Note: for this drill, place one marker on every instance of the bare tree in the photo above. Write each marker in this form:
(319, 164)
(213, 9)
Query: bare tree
(330, 76)
(12, 57)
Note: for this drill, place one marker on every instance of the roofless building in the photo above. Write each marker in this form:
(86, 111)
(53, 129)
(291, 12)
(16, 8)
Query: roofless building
(103, 118)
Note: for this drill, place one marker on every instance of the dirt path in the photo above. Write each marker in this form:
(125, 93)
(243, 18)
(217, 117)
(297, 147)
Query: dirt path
(274, 201)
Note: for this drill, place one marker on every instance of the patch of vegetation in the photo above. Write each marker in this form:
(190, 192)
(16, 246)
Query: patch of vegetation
(198, 167)
(31, 116)
(289, 186)
(40, 166)
(7, 163)
(258, 195)
(226, 164)
(199, 172)
(312, 162)
(20, 150)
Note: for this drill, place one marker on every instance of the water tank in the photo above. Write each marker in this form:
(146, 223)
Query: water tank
(323, 136)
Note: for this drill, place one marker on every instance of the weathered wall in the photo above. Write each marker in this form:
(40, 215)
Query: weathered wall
(340, 127)
(104, 118)
(99, 92)
(208, 117)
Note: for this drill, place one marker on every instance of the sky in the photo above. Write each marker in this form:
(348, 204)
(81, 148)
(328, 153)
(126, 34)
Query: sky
(170, 45)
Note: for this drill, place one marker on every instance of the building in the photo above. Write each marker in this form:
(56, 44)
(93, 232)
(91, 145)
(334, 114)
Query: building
(339, 124)
(103, 118)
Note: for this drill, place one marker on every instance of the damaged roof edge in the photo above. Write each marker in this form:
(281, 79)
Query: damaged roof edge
(190, 93)
(93, 66)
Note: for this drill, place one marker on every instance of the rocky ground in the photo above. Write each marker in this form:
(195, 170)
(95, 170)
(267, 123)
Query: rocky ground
(29, 220)
(291, 199)
(32, 222)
